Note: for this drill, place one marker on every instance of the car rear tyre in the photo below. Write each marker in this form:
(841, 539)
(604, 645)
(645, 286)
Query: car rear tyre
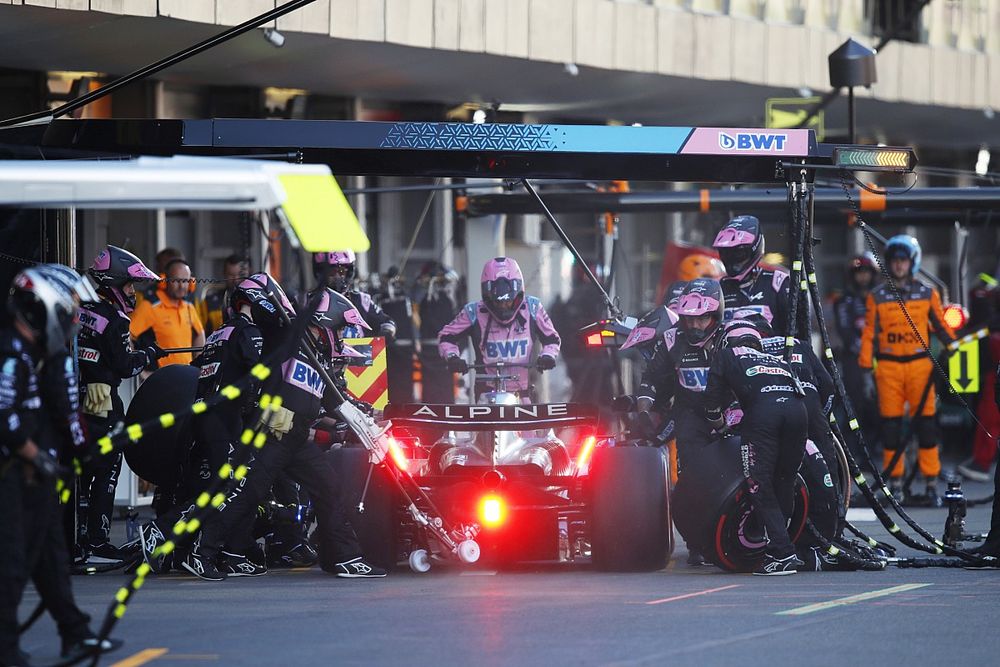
(630, 509)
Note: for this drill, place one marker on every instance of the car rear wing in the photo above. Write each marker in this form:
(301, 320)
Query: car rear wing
(493, 417)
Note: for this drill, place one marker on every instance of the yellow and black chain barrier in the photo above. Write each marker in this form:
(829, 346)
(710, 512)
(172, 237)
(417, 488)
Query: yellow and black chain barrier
(935, 545)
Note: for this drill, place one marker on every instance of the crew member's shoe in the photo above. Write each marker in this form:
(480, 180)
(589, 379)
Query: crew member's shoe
(105, 554)
(73, 650)
(357, 568)
(150, 539)
(985, 563)
(695, 558)
(933, 499)
(202, 567)
(300, 555)
(774, 567)
(238, 565)
(973, 472)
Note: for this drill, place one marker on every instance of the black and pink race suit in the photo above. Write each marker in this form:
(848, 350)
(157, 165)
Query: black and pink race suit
(766, 292)
(678, 370)
(495, 342)
(773, 431)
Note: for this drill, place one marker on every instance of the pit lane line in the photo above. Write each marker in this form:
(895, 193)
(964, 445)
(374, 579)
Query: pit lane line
(142, 657)
(850, 599)
(695, 594)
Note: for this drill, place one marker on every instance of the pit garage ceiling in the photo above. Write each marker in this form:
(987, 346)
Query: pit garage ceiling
(44, 39)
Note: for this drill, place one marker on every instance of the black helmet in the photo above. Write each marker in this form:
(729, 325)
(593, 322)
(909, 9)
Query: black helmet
(46, 307)
(674, 292)
(740, 245)
(755, 318)
(743, 333)
(112, 270)
(263, 294)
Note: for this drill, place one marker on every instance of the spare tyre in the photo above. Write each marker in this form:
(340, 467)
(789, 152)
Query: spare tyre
(158, 457)
(712, 508)
(630, 509)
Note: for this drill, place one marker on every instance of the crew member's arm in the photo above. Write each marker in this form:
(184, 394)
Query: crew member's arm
(659, 379)
(824, 382)
(545, 333)
(197, 329)
(376, 317)
(868, 333)
(62, 391)
(718, 395)
(13, 431)
(122, 359)
(452, 337)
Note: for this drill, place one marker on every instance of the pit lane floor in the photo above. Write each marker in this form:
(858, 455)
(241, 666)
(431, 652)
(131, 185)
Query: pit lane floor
(558, 616)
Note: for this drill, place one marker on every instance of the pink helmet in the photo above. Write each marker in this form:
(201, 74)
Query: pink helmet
(740, 245)
(502, 287)
(114, 268)
(338, 267)
(702, 297)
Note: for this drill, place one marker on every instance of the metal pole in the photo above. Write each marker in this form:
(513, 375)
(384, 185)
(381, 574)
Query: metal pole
(569, 244)
(850, 115)
(159, 65)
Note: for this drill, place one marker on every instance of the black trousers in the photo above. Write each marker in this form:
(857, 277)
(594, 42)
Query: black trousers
(97, 484)
(819, 432)
(305, 463)
(774, 437)
(824, 505)
(32, 545)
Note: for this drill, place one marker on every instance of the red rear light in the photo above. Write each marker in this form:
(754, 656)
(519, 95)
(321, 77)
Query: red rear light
(492, 511)
(594, 340)
(585, 452)
(398, 456)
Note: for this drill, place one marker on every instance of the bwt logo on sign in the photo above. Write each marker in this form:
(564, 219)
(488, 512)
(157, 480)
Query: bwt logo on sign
(752, 141)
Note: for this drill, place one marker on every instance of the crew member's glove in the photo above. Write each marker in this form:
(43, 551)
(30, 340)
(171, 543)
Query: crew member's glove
(154, 353)
(388, 332)
(46, 464)
(623, 403)
(457, 364)
(97, 400)
(280, 422)
(545, 362)
(641, 424)
(868, 385)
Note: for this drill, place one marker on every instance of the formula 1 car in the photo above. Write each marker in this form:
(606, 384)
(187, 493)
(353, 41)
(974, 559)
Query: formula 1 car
(498, 475)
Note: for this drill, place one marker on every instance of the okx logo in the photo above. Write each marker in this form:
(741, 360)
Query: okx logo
(758, 142)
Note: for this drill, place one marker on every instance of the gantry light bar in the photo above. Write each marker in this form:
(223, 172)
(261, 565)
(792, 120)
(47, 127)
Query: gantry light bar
(685, 154)
(705, 200)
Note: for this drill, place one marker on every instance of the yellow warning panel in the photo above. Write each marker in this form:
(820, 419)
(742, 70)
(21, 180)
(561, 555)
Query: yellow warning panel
(368, 381)
(963, 367)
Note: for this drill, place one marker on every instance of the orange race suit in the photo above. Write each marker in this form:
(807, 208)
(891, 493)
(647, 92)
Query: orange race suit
(903, 368)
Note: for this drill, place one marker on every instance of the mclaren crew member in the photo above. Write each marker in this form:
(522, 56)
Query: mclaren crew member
(169, 319)
(212, 305)
(903, 372)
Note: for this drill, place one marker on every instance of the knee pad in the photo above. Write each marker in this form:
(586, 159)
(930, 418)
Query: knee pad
(926, 431)
(891, 429)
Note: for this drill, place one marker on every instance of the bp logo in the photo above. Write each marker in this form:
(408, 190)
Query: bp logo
(766, 142)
